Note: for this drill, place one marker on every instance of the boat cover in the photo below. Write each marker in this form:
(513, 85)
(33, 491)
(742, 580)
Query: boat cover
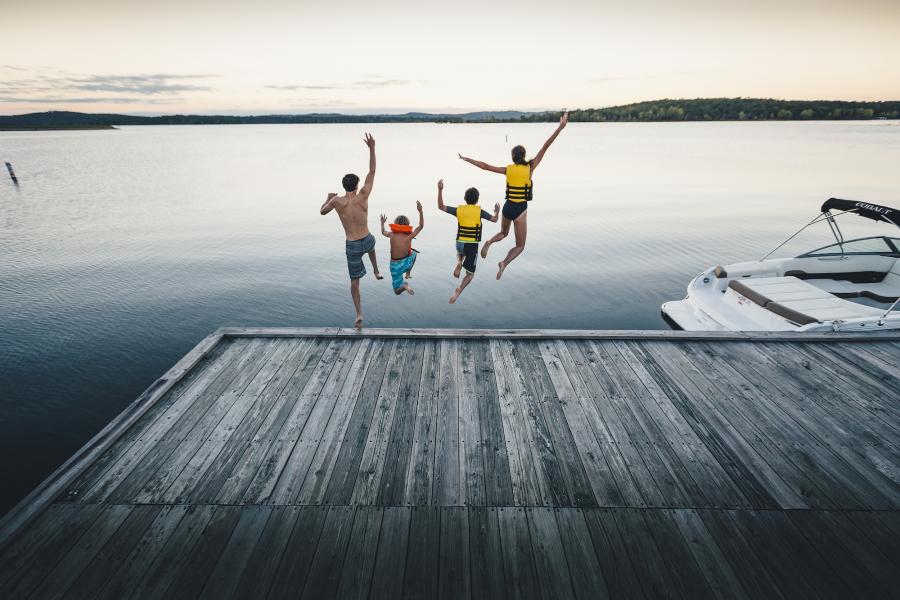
(864, 209)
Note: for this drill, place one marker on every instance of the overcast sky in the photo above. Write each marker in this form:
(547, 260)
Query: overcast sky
(272, 56)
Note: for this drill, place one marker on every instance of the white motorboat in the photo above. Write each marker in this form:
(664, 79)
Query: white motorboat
(851, 285)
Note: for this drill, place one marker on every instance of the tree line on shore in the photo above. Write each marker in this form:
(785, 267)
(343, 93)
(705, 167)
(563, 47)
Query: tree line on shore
(730, 109)
(701, 109)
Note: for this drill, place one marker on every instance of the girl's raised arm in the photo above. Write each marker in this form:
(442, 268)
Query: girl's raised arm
(540, 155)
(483, 165)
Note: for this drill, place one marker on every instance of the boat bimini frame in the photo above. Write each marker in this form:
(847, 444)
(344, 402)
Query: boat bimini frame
(863, 209)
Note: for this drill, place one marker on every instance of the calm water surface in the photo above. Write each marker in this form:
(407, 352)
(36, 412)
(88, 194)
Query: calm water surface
(122, 249)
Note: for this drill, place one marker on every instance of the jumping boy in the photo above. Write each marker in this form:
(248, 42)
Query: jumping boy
(403, 257)
(353, 210)
(468, 233)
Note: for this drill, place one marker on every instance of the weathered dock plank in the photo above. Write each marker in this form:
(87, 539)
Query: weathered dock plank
(447, 486)
(392, 485)
(372, 463)
(390, 565)
(420, 472)
(281, 484)
(483, 464)
(422, 555)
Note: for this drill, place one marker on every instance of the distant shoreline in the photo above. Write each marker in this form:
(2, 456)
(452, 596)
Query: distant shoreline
(60, 128)
(117, 127)
(666, 111)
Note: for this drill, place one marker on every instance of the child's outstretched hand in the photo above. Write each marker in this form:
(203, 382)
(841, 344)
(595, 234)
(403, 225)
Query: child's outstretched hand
(497, 207)
(418, 206)
(440, 184)
(383, 220)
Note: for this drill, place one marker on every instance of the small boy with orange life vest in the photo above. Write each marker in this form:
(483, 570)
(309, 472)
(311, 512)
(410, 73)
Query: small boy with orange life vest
(403, 257)
(468, 233)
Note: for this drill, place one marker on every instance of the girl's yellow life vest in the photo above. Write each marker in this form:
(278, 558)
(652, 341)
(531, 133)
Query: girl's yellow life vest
(518, 183)
(468, 217)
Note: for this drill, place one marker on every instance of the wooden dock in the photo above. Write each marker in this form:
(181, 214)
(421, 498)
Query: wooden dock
(483, 464)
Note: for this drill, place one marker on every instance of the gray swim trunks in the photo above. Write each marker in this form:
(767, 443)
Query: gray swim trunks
(355, 251)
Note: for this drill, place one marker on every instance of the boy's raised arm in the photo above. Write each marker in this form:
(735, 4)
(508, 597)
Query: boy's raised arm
(370, 176)
(421, 219)
(386, 234)
(441, 195)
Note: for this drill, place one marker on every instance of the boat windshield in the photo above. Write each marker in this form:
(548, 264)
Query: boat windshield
(869, 245)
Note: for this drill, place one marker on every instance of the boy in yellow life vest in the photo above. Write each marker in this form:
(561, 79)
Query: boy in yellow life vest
(468, 233)
(403, 257)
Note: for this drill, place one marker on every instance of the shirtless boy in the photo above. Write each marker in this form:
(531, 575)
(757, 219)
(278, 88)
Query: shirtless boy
(353, 210)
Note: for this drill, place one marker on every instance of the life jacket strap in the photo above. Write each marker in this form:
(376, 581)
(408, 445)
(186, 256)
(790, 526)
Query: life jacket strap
(473, 233)
(519, 192)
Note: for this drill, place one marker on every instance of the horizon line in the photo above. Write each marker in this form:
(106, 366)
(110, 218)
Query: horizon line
(388, 112)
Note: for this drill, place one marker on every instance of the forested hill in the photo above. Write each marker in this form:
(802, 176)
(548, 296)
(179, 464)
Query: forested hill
(703, 109)
(731, 109)
(77, 120)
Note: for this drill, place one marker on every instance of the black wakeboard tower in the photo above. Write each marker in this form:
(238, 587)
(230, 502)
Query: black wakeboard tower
(863, 209)
(875, 212)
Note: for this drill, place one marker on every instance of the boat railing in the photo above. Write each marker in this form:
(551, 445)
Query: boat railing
(887, 312)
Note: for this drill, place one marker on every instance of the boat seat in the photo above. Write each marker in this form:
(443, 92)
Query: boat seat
(887, 289)
(881, 291)
(798, 300)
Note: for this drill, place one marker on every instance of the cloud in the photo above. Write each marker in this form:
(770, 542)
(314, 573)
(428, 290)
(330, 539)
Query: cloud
(294, 88)
(44, 88)
(365, 84)
(84, 100)
(307, 104)
(140, 84)
(380, 83)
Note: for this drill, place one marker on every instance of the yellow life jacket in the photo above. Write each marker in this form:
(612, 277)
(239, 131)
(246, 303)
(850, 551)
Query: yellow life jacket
(468, 217)
(518, 183)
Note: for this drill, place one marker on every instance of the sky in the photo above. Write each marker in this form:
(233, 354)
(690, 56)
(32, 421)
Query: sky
(388, 56)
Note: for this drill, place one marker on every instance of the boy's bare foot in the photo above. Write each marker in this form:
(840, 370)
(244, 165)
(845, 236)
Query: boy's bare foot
(455, 296)
(408, 275)
(410, 291)
(457, 270)
(378, 276)
(484, 249)
(358, 323)
(502, 267)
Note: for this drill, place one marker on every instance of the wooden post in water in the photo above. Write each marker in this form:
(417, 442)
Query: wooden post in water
(12, 174)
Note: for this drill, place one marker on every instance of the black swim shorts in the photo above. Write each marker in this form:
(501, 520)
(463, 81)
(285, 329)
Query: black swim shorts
(469, 252)
(513, 210)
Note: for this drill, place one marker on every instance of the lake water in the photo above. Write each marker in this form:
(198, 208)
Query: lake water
(122, 249)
